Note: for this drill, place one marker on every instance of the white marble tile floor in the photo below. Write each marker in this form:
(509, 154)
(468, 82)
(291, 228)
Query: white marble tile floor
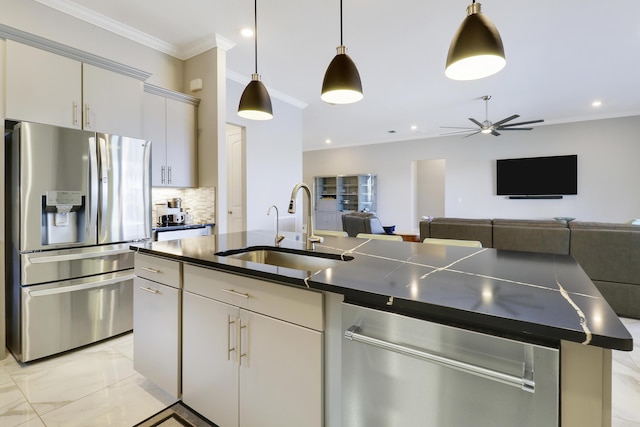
(97, 386)
(94, 386)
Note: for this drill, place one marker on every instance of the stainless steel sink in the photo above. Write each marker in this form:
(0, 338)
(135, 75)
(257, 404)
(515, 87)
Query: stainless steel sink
(288, 258)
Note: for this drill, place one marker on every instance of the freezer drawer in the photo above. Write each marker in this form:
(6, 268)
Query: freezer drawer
(66, 264)
(400, 371)
(60, 316)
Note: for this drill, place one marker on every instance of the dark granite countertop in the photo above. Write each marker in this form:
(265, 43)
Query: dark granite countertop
(540, 298)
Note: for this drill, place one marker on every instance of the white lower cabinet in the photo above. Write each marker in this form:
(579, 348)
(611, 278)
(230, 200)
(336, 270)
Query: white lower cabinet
(156, 322)
(244, 368)
(156, 328)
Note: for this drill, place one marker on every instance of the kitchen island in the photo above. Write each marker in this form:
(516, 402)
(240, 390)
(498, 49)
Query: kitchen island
(542, 299)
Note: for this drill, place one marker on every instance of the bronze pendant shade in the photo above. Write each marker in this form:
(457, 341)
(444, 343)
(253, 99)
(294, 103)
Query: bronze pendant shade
(341, 84)
(476, 50)
(255, 103)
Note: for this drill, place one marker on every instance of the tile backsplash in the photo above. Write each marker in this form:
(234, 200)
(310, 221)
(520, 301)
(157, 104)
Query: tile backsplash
(200, 201)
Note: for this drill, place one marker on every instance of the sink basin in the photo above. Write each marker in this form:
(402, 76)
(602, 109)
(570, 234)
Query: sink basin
(288, 258)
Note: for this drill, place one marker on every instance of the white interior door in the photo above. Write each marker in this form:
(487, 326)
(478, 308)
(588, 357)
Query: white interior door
(236, 207)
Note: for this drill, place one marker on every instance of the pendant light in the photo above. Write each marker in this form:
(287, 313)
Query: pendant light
(255, 103)
(476, 50)
(341, 84)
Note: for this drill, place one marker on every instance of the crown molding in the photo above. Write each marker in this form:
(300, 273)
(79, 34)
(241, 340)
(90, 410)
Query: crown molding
(102, 21)
(171, 94)
(33, 40)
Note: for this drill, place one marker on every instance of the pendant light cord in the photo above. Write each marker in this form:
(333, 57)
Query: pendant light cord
(341, 44)
(255, 33)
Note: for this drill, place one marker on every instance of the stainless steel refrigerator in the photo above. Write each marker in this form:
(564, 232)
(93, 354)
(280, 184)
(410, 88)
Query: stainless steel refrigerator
(75, 201)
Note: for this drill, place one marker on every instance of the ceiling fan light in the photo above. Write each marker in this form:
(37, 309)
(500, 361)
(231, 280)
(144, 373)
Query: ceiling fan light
(255, 103)
(486, 130)
(341, 84)
(476, 50)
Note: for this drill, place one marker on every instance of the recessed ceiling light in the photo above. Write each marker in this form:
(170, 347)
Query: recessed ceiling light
(327, 141)
(414, 127)
(596, 103)
(247, 32)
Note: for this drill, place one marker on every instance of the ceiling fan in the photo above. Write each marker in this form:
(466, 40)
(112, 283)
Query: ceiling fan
(488, 127)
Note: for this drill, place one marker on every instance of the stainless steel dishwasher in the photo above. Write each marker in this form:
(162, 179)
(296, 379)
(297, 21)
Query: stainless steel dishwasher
(401, 371)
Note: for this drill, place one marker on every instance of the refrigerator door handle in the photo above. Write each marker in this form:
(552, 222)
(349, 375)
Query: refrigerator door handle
(71, 257)
(103, 181)
(82, 286)
(92, 221)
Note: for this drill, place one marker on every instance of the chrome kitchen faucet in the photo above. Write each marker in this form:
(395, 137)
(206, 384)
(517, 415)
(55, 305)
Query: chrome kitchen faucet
(311, 239)
(279, 237)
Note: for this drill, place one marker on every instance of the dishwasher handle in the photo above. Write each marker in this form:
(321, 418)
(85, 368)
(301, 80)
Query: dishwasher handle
(526, 382)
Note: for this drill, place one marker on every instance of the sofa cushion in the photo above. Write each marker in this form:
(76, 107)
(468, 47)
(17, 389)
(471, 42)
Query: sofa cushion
(462, 229)
(425, 230)
(607, 252)
(623, 298)
(545, 236)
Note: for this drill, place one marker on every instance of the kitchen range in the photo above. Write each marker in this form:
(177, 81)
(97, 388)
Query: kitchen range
(76, 199)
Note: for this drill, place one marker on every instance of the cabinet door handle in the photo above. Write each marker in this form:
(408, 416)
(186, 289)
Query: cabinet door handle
(75, 113)
(162, 174)
(151, 270)
(232, 292)
(169, 175)
(150, 290)
(240, 353)
(87, 120)
(230, 323)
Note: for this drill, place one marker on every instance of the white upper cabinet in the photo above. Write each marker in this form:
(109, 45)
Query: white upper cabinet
(154, 129)
(170, 125)
(47, 88)
(112, 102)
(42, 87)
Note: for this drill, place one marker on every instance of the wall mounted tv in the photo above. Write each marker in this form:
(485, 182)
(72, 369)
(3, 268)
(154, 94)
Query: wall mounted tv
(537, 177)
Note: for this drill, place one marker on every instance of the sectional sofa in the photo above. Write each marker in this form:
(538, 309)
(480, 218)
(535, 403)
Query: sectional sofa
(608, 253)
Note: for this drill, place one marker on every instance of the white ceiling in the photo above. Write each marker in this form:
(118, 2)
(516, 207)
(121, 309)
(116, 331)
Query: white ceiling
(561, 56)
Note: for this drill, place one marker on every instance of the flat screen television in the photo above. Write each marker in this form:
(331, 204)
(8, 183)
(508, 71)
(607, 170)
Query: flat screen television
(537, 176)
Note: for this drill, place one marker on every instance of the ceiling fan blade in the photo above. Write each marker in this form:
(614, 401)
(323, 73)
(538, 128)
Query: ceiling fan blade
(475, 121)
(516, 129)
(456, 127)
(522, 123)
(508, 119)
(494, 133)
(458, 132)
(472, 133)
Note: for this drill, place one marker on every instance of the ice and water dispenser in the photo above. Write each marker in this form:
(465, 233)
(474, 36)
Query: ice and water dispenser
(63, 217)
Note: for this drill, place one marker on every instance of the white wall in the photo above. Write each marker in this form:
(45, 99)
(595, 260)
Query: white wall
(273, 158)
(608, 171)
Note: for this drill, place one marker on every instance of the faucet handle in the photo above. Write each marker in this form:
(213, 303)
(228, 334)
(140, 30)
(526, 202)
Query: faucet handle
(316, 239)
